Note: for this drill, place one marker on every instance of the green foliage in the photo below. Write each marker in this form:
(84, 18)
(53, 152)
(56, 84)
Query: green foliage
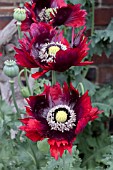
(92, 147)
(39, 85)
(103, 99)
(68, 162)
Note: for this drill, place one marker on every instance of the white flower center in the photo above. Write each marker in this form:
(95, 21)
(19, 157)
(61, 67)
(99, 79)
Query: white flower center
(48, 51)
(61, 118)
(45, 14)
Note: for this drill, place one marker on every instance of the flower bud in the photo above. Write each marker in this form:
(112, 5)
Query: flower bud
(19, 14)
(43, 146)
(25, 92)
(10, 69)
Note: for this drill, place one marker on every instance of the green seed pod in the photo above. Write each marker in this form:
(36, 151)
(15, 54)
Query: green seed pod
(19, 14)
(25, 92)
(11, 69)
(43, 146)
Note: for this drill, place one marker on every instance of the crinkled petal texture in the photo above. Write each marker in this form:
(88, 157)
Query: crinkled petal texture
(64, 14)
(70, 15)
(49, 3)
(29, 46)
(33, 10)
(33, 51)
(37, 126)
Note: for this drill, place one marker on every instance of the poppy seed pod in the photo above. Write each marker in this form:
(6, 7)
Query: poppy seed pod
(10, 69)
(19, 14)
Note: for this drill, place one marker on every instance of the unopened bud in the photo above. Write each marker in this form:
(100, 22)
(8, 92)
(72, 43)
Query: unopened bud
(19, 14)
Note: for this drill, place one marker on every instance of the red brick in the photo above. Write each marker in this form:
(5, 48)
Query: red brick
(6, 4)
(98, 60)
(103, 16)
(105, 74)
(107, 2)
(11, 1)
(5, 20)
(6, 11)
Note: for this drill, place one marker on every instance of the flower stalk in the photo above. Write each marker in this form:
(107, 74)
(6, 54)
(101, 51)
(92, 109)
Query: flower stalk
(93, 15)
(53, 78)
(25, 69)
(27, 82)
(34, 155)
(81, 87)
(72, 38)
(13, 96)
(19, 29)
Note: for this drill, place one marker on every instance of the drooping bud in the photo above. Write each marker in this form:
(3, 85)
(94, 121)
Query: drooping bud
(19, 14)
(25, 92)
(10, 68)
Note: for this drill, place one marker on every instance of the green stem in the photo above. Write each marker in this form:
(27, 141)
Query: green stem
(27, 82)
(93, 16)
(13, 96)
(19, 30)
(19, 79)
(25, 69)
(53, 78)
(80, 85)
(72, 37)
(34, 155)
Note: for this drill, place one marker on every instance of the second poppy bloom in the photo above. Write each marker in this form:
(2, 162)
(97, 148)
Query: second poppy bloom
(49, 50)
(56, 12)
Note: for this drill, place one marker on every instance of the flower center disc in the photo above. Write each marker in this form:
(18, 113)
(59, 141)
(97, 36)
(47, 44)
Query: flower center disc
(61, 116)
(53, 50)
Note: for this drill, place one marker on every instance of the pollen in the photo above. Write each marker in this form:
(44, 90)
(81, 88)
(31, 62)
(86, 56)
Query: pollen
(61, 116)
(53, 50)
(50, 11)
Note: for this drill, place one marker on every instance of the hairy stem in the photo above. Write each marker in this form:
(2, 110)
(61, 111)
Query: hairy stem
(53, 77)
(25, 69)
(80, 85)
(27, 82)
(13, 96)
(72, 37)
(93, 15)
(34, 155)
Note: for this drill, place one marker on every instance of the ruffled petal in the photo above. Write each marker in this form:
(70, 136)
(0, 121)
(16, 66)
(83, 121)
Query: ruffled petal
(39, 74)
(83, 106)
(57, 147)
(33, 129)
(71, 15)
(24, 59)
(42, 32)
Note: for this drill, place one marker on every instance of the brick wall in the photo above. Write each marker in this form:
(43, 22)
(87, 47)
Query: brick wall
(6, 11)
(102, 71)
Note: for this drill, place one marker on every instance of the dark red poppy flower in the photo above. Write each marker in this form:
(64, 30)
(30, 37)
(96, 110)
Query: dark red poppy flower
(49, 50)
(57, 12)
(0, 54)
(58, 114)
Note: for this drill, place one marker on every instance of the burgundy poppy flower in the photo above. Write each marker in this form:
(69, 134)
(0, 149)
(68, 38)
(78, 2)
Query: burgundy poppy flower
(49, 50)
(57, 12)
(0, 54)
(58, 114)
